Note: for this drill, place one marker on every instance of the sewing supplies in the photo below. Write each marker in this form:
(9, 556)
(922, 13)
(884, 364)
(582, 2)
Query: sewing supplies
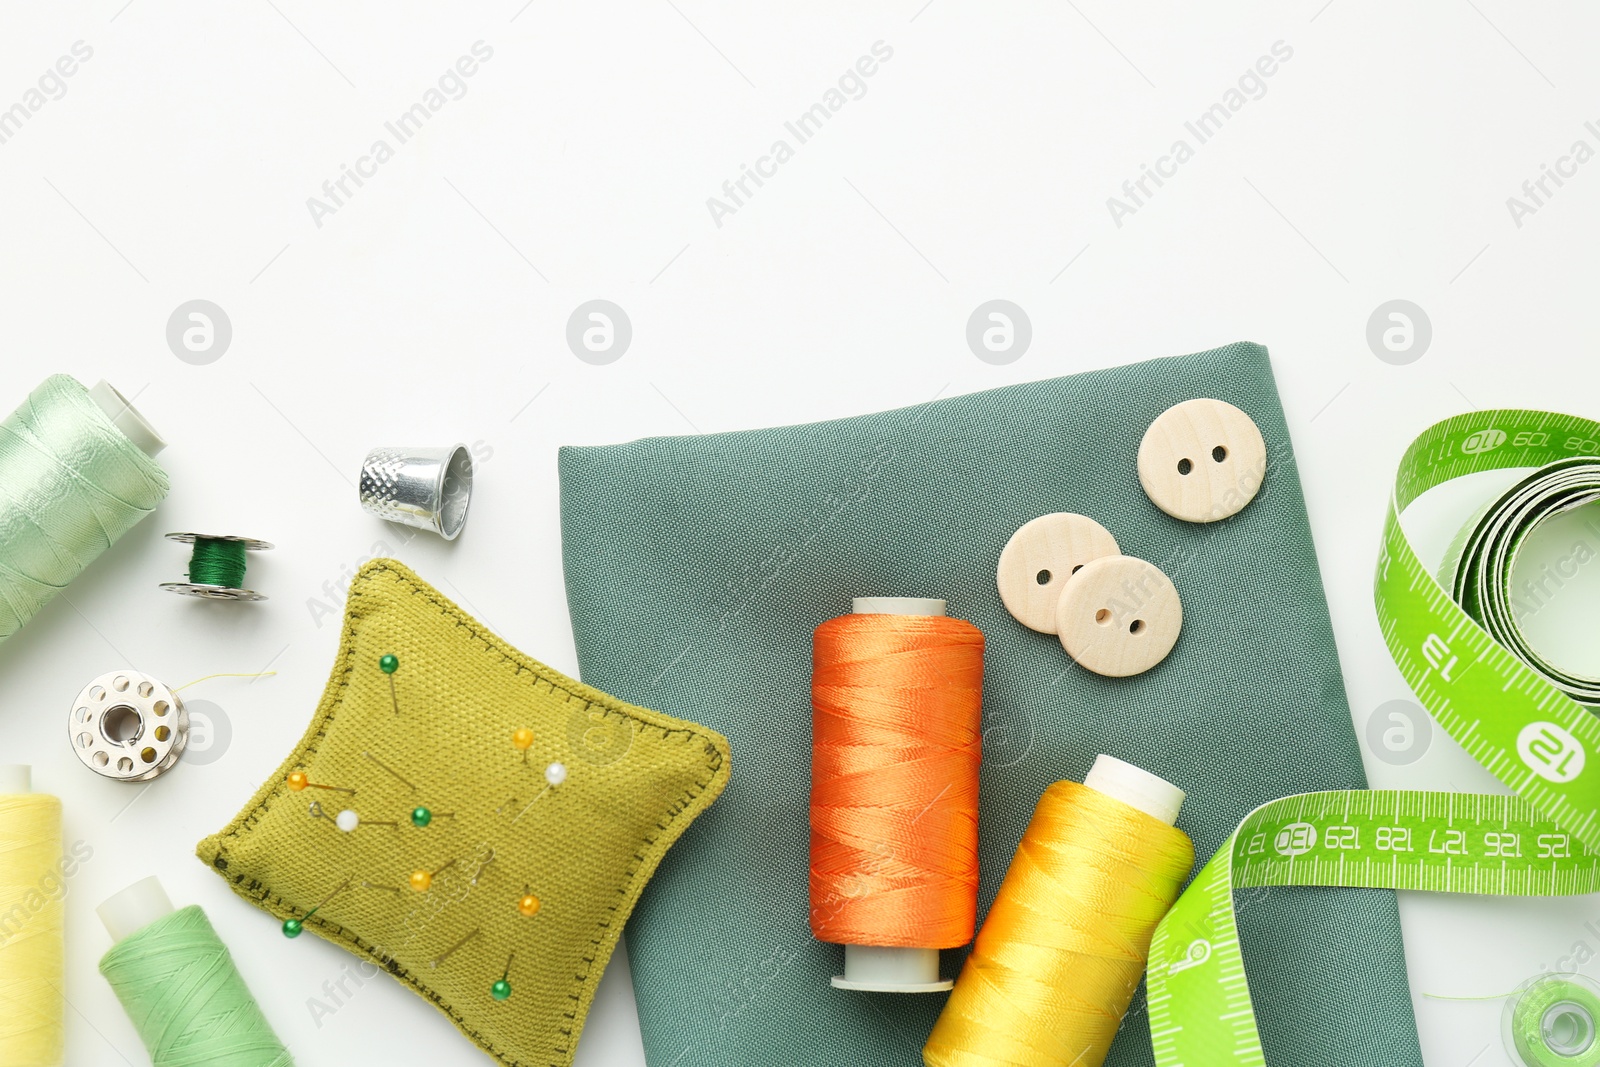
(217, 566)
(1202, 460)
(1478, 567)
(903, 496)
(76, 473)
(298, 781)
(375, 761)
(501, 990)
(897, 698)
(1513, 717)
(178, 983)
(1063, 947)
(1040, 557)
(388, 664)
(1063, 574)
(128, 726)
(1552, 1021)
(32, 948)
(1119, 616)
(1486, 844)
(428, 488)
(422, 881)
(292, 928)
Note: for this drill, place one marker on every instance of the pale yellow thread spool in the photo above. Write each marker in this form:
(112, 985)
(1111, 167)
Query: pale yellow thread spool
(32, 949)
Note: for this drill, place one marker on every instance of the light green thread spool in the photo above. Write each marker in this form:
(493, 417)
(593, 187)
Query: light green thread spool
(1554, 1021)
(72, 481)
(177, 982)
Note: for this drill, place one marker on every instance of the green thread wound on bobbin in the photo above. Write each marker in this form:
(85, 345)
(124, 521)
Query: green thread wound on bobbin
(217, 562)
(1552, 1023)
(178, 984)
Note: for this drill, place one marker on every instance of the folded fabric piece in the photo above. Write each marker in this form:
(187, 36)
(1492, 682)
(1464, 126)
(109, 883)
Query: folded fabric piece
(698, 567)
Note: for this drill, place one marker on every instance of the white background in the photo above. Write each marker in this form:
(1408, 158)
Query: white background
(432, 307)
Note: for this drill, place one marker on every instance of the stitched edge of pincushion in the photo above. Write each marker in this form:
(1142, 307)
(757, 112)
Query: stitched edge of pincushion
(646, 858)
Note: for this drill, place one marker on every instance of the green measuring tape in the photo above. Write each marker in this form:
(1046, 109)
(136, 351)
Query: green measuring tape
(1466, 661)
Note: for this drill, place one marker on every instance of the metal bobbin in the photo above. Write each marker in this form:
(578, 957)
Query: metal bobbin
(128, 726)
(216, 592)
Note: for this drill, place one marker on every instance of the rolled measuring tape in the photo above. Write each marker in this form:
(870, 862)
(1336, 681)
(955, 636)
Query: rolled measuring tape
(1552, 1021)
(1459, 649)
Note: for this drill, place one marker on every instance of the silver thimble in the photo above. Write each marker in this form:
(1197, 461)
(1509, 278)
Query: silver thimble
(428, 488)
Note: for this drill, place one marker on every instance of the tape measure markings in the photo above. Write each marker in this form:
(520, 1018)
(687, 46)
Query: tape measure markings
(1521, 726)
(1199, 997)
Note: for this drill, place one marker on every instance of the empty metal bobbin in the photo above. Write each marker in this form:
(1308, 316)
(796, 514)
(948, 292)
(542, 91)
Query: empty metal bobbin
(216, 592)
(128, 726)
(428, 488)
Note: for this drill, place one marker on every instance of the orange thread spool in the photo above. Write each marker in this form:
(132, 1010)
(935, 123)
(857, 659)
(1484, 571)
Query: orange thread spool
(896, 745)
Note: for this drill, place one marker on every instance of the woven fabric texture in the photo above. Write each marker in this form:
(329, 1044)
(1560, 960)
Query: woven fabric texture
(585, 847)
(697, 568)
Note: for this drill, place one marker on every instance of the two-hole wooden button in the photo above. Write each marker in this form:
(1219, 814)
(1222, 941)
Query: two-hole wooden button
(1039, 559)
(1119, 616)
(1202, 460)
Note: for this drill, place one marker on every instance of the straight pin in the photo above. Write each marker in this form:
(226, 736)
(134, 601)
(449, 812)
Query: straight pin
(422, 880)
(452, 949)
(398, 776)
(298, 782)
(293, 927)
(502, 989)
(531, 803)
(388, 664)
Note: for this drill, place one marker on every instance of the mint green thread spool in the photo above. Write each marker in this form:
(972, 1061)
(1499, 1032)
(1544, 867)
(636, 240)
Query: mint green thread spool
(1554, 1021)
(76, 473)
(178, 983)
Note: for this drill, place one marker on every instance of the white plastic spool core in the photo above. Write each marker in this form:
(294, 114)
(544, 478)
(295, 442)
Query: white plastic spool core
(1136, 787)
(888, 968)
(15, 779)
(136, 907)
(127, 418)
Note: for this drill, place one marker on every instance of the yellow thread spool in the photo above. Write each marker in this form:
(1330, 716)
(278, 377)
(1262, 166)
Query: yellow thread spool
(1064, 946)
(32, 949)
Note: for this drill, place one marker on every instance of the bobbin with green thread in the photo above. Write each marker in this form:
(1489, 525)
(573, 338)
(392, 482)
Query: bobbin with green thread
(217, 566)
(1552, 1021)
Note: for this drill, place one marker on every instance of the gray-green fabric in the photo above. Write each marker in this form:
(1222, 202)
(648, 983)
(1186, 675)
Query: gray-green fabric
(697, 568)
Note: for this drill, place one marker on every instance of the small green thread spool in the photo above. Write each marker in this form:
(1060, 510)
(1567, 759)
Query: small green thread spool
(1554, 1021)
(179, 986)
(217, 567)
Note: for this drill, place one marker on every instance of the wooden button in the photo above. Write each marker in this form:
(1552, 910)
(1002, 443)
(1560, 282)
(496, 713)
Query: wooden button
(1202, 460)
(1119, 616)
(1038, 560)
